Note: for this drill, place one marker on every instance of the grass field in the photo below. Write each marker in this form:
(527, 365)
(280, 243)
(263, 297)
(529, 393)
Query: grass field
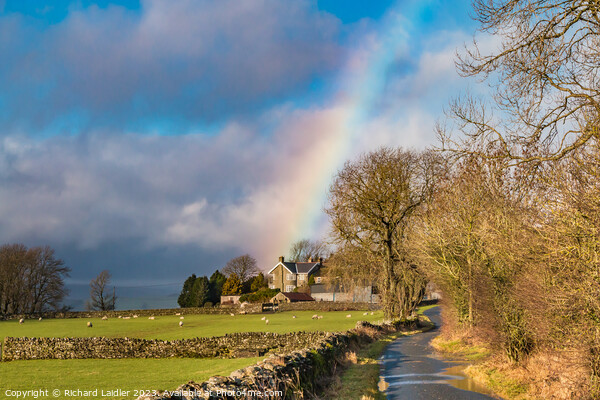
(149, 374)
(167, 327)
(105, 375)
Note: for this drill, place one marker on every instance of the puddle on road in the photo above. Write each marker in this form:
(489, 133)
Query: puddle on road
(453, 376)
(461, 381)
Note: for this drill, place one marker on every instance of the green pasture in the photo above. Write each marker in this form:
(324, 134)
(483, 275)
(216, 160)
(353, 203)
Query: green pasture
(124, 374)
(167, 327)
(149, 374)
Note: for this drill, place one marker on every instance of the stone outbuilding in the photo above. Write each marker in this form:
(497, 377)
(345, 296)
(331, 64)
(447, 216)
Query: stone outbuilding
(291, 297)
(230, 300)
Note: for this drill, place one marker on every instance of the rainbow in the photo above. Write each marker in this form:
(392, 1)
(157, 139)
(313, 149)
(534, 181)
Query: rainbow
(363, 82)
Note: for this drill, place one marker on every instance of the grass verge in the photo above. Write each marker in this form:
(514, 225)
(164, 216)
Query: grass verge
(498, 381)
(487, 371)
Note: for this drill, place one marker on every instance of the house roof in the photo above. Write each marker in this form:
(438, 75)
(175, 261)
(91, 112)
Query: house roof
(305, 267)
(293, 296)
(296, 268)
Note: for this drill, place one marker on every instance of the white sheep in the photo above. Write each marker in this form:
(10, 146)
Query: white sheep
(349, 316)
(319, 317)
(178, 314)
(135, 316)
(40, 318)
(180, 317)
(152, 318)
(293, 316)
(21, 321)
(232, 314)
(89, 324)
(263, 318)
(267, 321)
(180, 324)
(371, 312)
(126, 317)
(105, 318)
(366, 313)
(315, 316)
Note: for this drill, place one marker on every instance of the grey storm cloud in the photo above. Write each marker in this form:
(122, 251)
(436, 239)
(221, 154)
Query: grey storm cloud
(183, 62)
(234, 190)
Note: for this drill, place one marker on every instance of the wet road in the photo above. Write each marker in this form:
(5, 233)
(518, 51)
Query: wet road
(412, 371)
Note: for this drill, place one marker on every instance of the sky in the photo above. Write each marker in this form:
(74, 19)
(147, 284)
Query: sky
(157, 139)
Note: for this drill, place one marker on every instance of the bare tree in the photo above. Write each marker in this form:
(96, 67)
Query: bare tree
(304, 250)
(243, 266)
(371, 203)
(547, 80)
(31, 280)
(45, 280)
(102, 298)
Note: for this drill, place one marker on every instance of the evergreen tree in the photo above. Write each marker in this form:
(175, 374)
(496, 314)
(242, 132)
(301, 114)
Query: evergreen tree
(258, 282)
(200, 292)
(216, 282)
(232, 286)
(184, 299)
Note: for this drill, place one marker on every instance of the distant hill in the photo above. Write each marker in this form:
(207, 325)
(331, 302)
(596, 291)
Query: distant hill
(128, 297)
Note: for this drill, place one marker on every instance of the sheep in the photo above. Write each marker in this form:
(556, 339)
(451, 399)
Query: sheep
(178, 314)
(126, 317)
(135, 316)
(120, 316)
(89, 324)
(263, 318)
(371, 312)
(21, 321)
(349, 316)
(319, 317)
(40, 318)
(105, 318)
(315, 316)
(267, 321)
(232, 314)
(243, 312)
(366, 313)
(152, 318)
(181, 324)
(293, 316)
(181, 317)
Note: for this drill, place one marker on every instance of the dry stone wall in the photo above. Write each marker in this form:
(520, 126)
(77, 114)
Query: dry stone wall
(282, 376)
(249, 344)
(328, 306)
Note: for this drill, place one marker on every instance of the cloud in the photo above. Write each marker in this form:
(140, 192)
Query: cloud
(235, 190)
(174, 64)
(116, 194)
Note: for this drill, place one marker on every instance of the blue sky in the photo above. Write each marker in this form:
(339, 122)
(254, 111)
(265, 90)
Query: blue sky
(160, 138)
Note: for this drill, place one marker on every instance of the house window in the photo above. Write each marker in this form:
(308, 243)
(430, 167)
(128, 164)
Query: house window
(290, 288)
(271, 286)
(317, 279)
(291, 277)
(301, 277)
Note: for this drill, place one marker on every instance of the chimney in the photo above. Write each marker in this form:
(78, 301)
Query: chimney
(320, 260)
(281, 259)
(310, 259)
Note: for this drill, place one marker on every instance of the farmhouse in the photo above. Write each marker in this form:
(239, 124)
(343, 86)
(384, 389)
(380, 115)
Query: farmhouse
(287, 276)
(291, 297)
